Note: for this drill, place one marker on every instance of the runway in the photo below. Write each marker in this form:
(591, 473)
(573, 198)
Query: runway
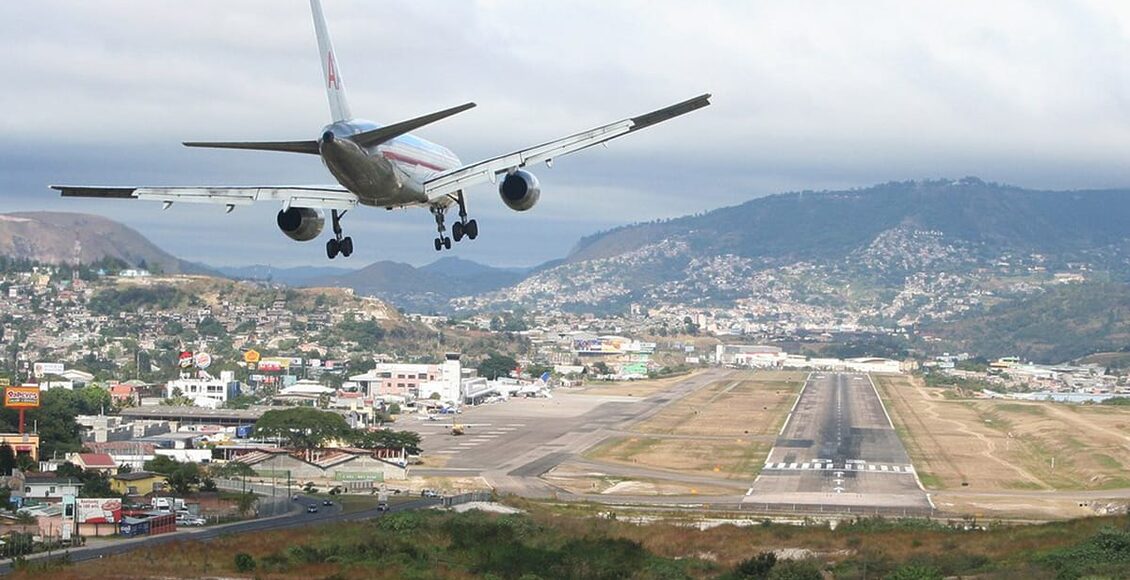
(838, 448)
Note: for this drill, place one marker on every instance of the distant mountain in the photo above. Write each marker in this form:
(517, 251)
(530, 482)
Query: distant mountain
(915, 254)
(426, 288)
(832, 224)
(296, 276)
(50, 237)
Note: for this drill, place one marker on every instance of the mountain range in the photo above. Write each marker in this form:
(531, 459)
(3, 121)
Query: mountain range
(938, 255)
(59, 237)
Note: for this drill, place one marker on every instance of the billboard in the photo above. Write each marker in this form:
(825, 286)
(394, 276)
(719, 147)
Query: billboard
(202, 360)
(185, 359)
(251, 357)
(17, 397)
(45, 368)
(98, 510)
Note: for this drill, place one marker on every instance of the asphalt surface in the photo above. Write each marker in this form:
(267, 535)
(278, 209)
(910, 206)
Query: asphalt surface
(298, 517)
(838, 448)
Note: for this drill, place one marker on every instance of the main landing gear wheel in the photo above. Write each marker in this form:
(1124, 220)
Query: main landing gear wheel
(471, 229)
(457, 231)
(338, 245)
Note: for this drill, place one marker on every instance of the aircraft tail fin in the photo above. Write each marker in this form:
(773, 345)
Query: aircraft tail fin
(331, 72)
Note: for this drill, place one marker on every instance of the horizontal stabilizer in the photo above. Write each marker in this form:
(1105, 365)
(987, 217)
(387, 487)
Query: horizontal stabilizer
(310, 147)
(389, 132)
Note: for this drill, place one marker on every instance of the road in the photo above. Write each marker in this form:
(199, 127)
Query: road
(838, 448)
(296, 518)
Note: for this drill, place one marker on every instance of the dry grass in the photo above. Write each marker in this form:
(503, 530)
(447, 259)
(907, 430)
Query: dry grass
(993, 445)
(724, 429)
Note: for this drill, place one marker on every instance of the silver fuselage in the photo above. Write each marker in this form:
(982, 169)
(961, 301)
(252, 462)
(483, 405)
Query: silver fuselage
(387, 175)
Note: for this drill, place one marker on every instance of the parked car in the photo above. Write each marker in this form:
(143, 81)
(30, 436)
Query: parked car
(191, 521)
(327, 502)
(312, 508)
(295, 497)
(382, 506)
(429, 493)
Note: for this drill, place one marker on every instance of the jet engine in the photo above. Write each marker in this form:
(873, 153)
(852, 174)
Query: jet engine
(301, 224)
(519, 190)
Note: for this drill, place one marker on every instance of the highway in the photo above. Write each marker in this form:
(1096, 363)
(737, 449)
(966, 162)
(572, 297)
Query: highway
(838, 448)
(298, 517)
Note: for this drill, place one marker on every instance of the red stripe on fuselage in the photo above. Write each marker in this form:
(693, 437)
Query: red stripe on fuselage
(405, 159)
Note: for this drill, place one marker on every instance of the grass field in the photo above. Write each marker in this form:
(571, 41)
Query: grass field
(554, 541)
(726, 428)
(997, 445)
(632, 388)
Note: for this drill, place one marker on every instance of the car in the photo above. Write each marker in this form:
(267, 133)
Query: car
(429, 493)
(312, 508)
(295, 497)
(191, 521)
(327, 502)
(382, 506)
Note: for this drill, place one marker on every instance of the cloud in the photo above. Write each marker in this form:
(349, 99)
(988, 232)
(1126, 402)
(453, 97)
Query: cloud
(808, 95)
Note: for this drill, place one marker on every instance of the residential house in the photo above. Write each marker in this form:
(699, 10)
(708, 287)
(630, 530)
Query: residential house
(138, 483)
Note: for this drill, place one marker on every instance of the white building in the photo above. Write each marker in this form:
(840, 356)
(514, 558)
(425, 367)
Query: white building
(448, 386)
(204, 389)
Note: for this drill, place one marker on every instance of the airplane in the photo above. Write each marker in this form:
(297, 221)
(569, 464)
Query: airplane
(383, 166)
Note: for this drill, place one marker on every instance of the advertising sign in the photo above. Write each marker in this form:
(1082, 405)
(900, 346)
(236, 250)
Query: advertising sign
(45, 368)
(251, 357)
(185, 359)
(95, 510)
(203, 360)
(16, 397)
(269, 366)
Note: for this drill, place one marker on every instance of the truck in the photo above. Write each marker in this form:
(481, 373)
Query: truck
(168, 504)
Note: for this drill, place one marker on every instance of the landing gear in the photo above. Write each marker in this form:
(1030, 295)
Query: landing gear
(442, 241)
(339, 244)
(464, 228)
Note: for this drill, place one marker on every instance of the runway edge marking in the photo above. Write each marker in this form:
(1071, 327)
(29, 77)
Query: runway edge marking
(929, 499)
(795, 403)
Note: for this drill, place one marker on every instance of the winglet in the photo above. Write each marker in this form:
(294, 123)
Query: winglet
(649, 119)
(335, 87)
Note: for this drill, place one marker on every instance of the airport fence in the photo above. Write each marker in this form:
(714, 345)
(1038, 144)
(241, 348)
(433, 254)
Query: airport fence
(832, 509)
(469, 497)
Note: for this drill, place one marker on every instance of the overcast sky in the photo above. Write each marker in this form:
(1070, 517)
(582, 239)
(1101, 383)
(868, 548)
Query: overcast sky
(807, 95)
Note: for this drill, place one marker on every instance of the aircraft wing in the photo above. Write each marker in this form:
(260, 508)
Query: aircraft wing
(454, 180)
(312, 196)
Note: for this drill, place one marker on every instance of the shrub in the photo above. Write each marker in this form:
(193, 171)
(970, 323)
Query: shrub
(758, 566)
(244, 562)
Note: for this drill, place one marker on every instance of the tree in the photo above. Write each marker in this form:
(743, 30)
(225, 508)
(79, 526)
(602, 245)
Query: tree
(7, 459)
(95, 484)
(600, 368)
(162, 464)
(387, 439)
(184, 477)
(302, 427)
(497, 365)
(232, 469)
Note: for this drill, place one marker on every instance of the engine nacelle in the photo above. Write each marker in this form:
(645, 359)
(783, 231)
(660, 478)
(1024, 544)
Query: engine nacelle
(301, 224)
(519, 190)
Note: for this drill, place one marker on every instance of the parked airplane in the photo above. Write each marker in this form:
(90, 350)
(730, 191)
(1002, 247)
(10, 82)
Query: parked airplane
(383, 166)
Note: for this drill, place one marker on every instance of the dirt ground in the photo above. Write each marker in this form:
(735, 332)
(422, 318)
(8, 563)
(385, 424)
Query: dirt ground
(725, 429)
(983, 445)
